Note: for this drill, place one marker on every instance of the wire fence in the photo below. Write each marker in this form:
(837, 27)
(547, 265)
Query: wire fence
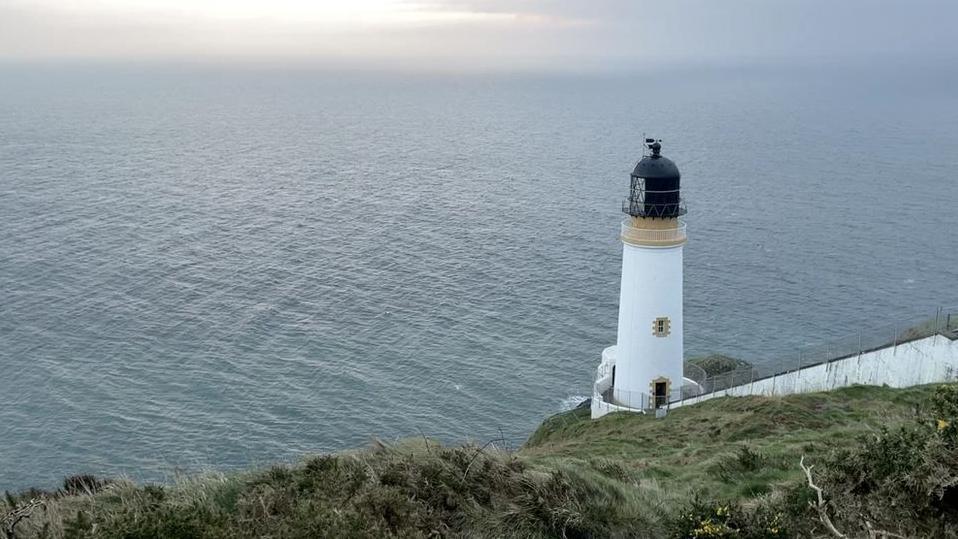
(943, 322)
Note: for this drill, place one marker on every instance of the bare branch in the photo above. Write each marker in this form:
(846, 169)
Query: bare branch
(474, 456)
(17, 513)
(881, 534)
(820, 506)
(424, 439)
(505, 443)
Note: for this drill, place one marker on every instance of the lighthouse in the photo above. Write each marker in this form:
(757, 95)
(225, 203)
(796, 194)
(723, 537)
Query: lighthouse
(643, 371)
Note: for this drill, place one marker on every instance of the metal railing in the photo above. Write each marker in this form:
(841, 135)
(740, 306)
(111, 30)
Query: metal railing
(640, 208)
(639, 400)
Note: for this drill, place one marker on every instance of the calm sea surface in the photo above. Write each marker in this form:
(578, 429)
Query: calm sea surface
(224, 268)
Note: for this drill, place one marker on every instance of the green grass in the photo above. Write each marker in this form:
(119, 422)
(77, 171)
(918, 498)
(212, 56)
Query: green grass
(682, 450)
(714, 364)
(625, 475)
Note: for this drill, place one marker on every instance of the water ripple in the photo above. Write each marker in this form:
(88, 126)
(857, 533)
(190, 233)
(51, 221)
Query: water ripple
(193, 281)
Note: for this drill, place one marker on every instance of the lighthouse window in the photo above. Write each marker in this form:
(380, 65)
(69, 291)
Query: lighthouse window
(661, 327)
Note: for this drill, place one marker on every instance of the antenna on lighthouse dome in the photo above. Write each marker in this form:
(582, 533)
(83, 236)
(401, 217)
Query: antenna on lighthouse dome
(655, 146)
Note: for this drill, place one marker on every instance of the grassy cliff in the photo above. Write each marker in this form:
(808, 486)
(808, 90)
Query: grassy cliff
(698, 447)
(724, 468)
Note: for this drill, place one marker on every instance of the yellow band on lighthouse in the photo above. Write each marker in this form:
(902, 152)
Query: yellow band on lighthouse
(653, 232)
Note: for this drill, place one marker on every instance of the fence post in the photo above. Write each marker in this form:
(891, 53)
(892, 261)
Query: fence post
(797, 384)
(859, 343)
(798, 373)
(937, 327)
(895, 349)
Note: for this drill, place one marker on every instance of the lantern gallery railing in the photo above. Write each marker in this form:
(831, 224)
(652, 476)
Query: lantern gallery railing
(646, 206)
(653, 236)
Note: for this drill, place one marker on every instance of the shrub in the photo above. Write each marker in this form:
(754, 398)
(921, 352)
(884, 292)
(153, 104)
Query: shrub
(385, 492)
(702, 519)
(83, 484)
(745, 460)
(715, 364)
(901, 480)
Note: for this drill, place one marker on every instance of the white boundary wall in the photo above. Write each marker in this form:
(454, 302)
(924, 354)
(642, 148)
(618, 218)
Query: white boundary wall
(604, 382)
(924, 361)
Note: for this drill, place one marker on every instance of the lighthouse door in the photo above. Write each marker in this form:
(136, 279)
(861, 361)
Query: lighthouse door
(661, 393)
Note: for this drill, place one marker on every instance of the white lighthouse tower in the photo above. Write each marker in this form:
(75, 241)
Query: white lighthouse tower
(644, 370)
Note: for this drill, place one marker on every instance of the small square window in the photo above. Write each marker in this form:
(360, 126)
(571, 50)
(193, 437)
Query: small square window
(661, 327)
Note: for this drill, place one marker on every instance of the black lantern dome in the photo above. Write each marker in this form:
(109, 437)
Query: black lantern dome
(655, 190)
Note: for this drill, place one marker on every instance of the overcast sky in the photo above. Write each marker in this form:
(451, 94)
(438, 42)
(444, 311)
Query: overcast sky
(563, 34)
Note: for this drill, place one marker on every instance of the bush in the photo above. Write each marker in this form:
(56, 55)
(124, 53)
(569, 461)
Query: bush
(902, 480)
(385, 492)
(83, 484)
(719, 520)
(745, 460)
(715, 364)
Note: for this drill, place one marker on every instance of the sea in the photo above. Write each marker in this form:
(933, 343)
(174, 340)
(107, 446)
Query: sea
(223, 267)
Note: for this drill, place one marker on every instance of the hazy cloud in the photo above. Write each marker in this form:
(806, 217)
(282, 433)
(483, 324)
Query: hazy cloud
(486, 33)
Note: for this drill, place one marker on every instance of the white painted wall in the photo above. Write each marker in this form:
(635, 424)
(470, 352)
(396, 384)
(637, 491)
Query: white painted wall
(651, 288)
(638, 402)
(924, 361)
(603, 382)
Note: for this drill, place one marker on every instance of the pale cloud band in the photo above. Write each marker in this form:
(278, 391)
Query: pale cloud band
(612, 33)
